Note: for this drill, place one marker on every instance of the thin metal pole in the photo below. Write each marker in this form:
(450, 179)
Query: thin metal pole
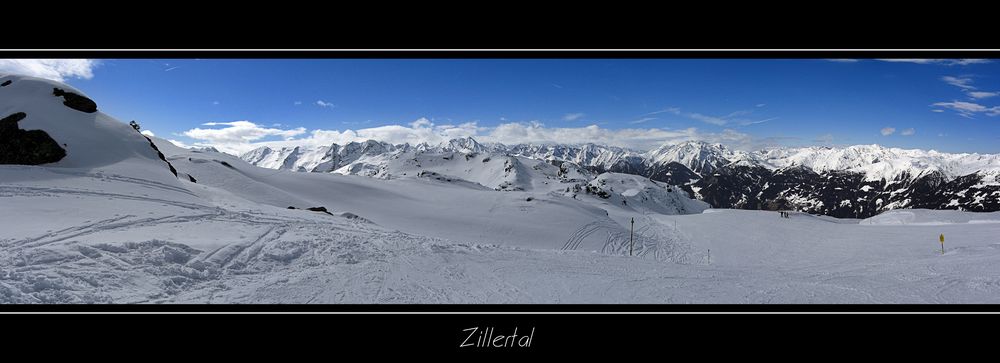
(631, 229)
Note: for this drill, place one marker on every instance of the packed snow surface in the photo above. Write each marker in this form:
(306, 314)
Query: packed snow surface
(930, 217)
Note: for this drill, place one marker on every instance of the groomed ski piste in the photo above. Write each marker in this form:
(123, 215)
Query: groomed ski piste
(110, 223)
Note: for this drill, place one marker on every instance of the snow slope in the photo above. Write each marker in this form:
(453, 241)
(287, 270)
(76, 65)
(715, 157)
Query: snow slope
(153, 250)
(636, 194)
(419, 204)
(94, 142)
(497, 172)
(930, 217)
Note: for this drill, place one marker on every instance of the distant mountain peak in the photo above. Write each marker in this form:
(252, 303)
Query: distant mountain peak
(464, 145)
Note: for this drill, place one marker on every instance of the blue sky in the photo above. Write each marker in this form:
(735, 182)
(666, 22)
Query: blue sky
(948, 105)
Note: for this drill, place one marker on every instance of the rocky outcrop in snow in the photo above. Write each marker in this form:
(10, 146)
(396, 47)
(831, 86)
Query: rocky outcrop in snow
(26, 147)
(75, 101)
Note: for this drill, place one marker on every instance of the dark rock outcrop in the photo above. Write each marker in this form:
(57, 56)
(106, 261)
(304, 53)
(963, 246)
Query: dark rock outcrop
(319, 209)
(75, 101)
(5, 83)
(162, 157)
(314, 209)
(9, 123)
(26, 147)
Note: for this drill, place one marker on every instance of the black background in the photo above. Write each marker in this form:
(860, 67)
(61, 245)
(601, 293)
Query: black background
(658, 337)
(298, 333)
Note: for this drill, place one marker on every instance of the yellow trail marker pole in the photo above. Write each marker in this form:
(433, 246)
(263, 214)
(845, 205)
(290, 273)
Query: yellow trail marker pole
(942, 243)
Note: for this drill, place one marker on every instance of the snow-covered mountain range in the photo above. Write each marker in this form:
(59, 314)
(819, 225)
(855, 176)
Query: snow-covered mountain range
(855, 181)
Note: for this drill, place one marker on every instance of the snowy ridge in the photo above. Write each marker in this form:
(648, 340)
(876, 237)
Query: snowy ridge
(586, 155)
(856, 181)
(877, 162)
(874, 161)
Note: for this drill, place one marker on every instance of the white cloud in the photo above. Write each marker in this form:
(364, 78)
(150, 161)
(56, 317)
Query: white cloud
(964, 83)
(297, 103)
(322, 103)
(719, 121)
(421, 130)
(732, 117)
(148, 133)
(981, 94)
(906, 60)
(707, 119)
(572, 116)
(635, 138)
(947, 62)
(215, 102)
(908, 132)
(671, 110)
(753, 122)
(969, 109)
(54, 69)
(886, 131)
(237, 133)
(761, 104)
(642, 120)
(937, 110)
(241, 136)
(968, 61)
